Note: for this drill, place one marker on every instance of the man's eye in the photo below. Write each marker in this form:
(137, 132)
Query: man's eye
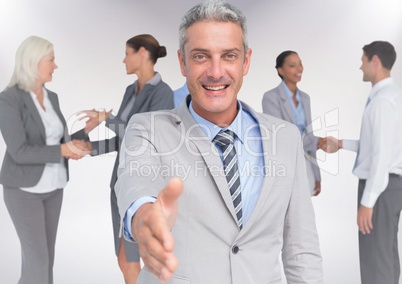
(231, 56)
(199, 56)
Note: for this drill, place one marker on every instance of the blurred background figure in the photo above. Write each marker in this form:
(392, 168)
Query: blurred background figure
(291, 104)
(147, 93)
(35, 166)
(378, 165)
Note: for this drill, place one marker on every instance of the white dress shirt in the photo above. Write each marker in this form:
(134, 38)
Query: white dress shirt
(54, 175)
(380, 146)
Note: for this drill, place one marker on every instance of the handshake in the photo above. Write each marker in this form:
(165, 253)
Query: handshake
(76, 149)
(329, 144)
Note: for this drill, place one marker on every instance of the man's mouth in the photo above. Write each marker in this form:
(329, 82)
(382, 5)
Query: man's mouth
(215, 88)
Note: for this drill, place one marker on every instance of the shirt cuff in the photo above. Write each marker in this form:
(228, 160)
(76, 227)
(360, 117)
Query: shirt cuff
(351, 145)
(130, 213)
(369, 199)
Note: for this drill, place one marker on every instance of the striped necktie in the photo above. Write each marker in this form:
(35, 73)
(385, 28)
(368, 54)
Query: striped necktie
(225, 140)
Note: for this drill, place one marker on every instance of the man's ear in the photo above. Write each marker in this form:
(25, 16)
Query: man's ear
(376, 60)
(180, 56)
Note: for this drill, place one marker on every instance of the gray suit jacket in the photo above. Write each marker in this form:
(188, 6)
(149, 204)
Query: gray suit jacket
(151, 98)
(25, 138)
(208, 243)
(276, 103)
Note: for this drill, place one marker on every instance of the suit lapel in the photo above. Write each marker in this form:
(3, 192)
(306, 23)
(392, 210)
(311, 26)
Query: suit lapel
(286, 105)
(56, 107)
(269, 179)
(140, 99)
(31, 107)
(306, 107)
(127, 95)
(209, 154)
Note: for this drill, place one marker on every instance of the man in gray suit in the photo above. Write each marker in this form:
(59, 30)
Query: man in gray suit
(242, 196)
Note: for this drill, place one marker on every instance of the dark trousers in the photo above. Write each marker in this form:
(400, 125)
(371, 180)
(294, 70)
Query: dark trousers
(378, 251)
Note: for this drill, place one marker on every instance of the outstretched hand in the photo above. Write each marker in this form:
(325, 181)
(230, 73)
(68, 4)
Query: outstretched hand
(94, 118)
(151, 228)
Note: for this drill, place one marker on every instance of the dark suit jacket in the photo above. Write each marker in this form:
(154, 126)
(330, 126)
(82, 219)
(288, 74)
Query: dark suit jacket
(151, 98)
(25, 138)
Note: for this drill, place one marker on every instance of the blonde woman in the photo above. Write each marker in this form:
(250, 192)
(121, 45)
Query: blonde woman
(35, 167)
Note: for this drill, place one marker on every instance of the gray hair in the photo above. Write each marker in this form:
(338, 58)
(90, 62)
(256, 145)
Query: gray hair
(212, 10)
(27, 59)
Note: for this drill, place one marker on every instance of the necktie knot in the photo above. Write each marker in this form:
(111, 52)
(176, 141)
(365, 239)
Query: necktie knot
(224, 138)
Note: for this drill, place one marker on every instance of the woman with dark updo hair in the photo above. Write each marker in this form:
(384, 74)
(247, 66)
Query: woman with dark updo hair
(289, 103)
(147, 93)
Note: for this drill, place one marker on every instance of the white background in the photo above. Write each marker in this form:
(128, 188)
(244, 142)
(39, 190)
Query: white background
(89, 38)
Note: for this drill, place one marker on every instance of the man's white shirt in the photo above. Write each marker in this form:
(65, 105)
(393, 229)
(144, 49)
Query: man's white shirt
(380, 146)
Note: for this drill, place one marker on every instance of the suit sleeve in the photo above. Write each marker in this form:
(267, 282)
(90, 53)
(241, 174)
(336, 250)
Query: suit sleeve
(138, 155)
(162, 99)
(310, 141)
(301, 254)
(15, 136)
(115, 124)
(80, 135)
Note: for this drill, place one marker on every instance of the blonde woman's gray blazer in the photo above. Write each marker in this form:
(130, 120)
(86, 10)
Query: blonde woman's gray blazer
(25, 138)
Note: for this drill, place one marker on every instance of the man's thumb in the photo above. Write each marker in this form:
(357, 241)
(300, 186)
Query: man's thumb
(171, 193)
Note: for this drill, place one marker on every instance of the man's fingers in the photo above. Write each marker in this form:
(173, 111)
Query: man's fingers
(152, 253)
(152, 236)
(364, 226)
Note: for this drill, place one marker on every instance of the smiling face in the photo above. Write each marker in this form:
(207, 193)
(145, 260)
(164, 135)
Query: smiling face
(46, 68)
(292, 69)
(214, 65)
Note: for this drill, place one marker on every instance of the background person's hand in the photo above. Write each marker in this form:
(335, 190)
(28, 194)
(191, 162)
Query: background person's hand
(329, 144)
(94, 118)
(76, 149)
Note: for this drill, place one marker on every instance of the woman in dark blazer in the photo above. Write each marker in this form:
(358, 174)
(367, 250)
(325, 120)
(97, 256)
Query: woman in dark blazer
(147, 93)
(35, 167)
(289, 103)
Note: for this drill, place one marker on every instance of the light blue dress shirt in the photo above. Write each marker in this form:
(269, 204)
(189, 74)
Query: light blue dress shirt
(248, 145)
(249, 151)
(180, 94)
(298, 111)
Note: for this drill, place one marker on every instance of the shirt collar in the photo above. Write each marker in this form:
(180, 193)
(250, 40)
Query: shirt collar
(211, 130)
(379, 85)
(153, 81)
(45, 95)
(289, 93)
